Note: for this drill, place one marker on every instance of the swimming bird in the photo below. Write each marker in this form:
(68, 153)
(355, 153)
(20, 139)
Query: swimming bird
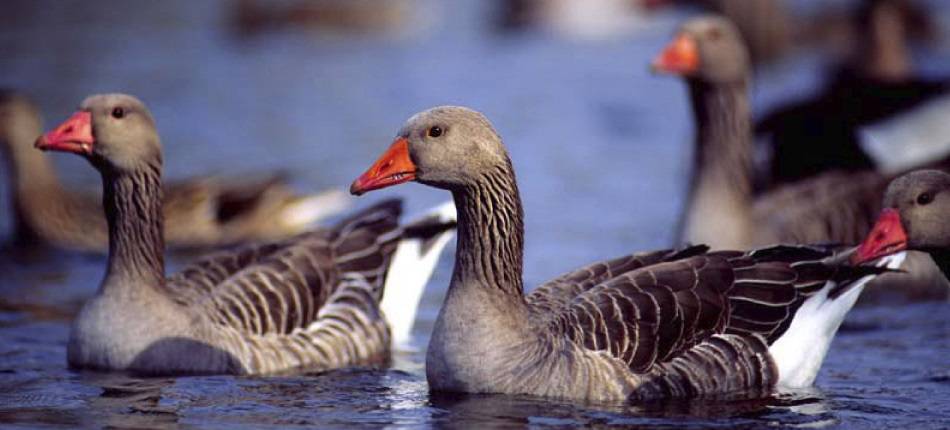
(722, 209)
(309, 302)
(675, 322)
(200, 212)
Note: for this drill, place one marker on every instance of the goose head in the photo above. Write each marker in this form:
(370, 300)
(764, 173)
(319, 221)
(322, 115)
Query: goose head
(916, 216)
(110, 130)
(708, 48)
(445, 147)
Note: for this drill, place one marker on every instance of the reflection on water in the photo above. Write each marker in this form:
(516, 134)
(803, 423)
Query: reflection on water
(589, 130)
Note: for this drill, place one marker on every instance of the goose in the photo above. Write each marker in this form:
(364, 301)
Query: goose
(722, 210)
(915, 216)
(200, 212)
(676, 322)
(824, 132)
(307, 302)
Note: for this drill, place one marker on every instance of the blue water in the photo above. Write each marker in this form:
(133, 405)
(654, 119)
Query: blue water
(601, 149)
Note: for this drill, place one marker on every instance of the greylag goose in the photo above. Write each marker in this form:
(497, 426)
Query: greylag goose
(311, 301)
(200, 212)
(682, 322)
(916, 215)
(722, 210)
(823, 132)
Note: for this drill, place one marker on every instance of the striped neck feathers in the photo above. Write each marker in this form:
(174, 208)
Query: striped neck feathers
(133, 207)
(491, 232)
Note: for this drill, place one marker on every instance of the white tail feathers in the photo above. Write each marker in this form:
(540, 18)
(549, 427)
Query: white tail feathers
(308, 210)
(800, 351)
(412, 266)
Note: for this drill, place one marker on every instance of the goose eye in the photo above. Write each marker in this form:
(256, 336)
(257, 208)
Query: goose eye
(925, 198)
(118, 113)
(435, 131)
(713, 34)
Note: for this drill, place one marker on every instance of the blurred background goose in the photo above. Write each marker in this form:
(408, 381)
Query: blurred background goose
(876, 82)
(310, 302)
(722, 210)
(200, 212)
(671, 323)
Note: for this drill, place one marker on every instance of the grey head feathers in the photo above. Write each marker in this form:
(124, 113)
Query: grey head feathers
(124, 130)
(923, 200)
(451, 146)
(723, 56)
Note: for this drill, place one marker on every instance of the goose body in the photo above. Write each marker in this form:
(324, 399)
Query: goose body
(308, 302)
(200, 212)
(686, 322)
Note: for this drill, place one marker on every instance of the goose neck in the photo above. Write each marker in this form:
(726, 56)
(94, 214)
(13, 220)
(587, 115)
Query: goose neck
(724, 134)
(884, 55)
(720, 195)
(133, 207)
(490, 233)
(32, 179)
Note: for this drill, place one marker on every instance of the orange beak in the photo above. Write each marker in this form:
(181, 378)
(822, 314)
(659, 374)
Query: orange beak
(887, 237)
(680, 57)
(394, 167)
(74, 135)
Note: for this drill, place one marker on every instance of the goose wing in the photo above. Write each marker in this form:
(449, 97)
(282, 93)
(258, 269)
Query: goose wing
(280, 287)
(559, 292)
(682, 323)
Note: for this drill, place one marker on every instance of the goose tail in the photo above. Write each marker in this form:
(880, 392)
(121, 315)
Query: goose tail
(799, 352)
(412, 265)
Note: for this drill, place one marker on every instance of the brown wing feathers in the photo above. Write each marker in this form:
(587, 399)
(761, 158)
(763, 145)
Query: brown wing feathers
(279, 287)
(652, 313)
(558, 292)
(721, 365)
(660, 317)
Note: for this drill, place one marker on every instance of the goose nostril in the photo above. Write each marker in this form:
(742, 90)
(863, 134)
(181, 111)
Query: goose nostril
(68, 129)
